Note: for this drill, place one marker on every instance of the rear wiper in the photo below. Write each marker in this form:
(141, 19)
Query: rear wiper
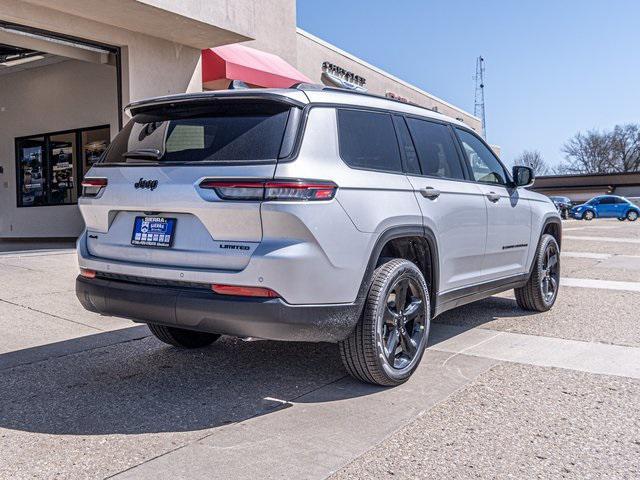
(143, 153)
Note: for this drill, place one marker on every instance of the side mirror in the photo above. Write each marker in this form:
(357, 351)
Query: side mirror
(523, 176)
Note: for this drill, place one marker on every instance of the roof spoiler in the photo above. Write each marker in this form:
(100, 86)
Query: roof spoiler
(219, 96)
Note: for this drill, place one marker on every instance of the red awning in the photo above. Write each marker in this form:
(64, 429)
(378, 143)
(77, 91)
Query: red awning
(221, 65)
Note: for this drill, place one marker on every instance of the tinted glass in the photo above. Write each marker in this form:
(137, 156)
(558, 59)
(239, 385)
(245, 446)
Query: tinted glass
(607, 200)
(436, 151)
(485, 166)
(239, 132)
(620, 200)
(94, 144)
(411, 164)
(368, 140)
(62, 155)
(32, 175)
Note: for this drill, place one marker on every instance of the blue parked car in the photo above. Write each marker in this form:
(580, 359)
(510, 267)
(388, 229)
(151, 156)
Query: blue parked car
(606, 206)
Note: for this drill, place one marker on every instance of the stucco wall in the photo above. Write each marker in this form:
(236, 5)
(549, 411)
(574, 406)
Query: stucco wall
(312, 53)
(63, 96)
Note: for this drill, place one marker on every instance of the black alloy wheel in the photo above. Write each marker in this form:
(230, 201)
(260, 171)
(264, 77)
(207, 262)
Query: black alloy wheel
(402, 325)
(391, 335)
(541, 290)
(550, 278)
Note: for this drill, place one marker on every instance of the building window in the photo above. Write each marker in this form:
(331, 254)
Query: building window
(51, 166)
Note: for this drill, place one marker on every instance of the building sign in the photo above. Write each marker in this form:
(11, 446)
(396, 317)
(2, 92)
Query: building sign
(342, 78)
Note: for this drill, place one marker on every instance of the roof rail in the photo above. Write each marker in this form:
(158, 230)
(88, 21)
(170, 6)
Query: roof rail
(327, 88)
(308, 86)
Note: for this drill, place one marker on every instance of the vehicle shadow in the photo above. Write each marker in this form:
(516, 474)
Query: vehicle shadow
(144, 386)
(477, 314)
(139, 385)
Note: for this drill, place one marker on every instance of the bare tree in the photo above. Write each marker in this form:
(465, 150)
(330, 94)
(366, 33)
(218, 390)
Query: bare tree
(533, 159)
(625, 146)
(587, 153)
(614, 151)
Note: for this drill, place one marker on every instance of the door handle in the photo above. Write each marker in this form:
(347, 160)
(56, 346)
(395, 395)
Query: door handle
(493, 197)
(430, 193)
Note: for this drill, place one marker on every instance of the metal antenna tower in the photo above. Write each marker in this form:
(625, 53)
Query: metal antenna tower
(478, 107)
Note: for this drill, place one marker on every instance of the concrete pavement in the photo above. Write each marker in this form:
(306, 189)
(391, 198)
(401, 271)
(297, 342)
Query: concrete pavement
(501, 392)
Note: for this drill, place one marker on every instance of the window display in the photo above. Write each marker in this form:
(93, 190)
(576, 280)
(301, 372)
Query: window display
(62, 157)
(31, 168)
(48, 171)
(94, 142)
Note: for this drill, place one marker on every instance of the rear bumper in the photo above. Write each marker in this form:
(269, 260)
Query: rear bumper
(202, 310)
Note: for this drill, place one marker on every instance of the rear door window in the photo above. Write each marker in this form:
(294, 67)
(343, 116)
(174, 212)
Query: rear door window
(368, 140)
(436, 149)
(226, 133)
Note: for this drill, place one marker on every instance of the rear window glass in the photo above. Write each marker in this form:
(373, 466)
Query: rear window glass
(368, 140)
(226, 133)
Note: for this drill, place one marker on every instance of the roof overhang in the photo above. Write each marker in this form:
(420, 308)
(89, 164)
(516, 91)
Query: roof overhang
(606, 180)
(195, 24)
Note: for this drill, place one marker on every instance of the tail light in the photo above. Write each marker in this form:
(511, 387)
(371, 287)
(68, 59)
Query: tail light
(243, 291)
(305, 190)
(91, 187)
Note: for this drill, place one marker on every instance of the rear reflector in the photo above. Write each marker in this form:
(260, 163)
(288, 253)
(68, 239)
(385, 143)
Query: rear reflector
(86, 273)
(92, 186)
(278, 190)
(244, 291)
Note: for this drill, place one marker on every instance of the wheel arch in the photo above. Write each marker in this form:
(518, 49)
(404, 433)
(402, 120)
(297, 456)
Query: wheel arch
(551, 225)
(412, 242)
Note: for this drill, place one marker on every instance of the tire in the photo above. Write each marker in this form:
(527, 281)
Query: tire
(565, 214)
(632, 215)
(370, 353)
(588, 215)
(622, 219)
(179, 337)
(534, 295)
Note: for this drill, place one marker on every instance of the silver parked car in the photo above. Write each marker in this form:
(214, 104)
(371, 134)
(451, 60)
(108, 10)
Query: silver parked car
(308, 214)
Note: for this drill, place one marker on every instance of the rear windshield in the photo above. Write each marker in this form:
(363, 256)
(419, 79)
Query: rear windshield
(237, 132)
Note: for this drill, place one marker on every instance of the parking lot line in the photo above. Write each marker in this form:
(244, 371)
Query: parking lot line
(596, 256)
(600, 284)
(36, 253)
(588, 357)
(603, 239)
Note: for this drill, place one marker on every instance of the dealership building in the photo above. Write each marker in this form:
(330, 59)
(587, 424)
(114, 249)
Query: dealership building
(68, 67)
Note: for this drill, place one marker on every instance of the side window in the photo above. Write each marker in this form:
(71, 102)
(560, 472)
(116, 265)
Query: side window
(368, 140)
(436, 150)
(620, 200)
(485, 166)
(411, 165)
(607, 201)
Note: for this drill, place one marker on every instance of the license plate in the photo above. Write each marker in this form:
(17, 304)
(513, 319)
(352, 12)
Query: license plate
(153, 231)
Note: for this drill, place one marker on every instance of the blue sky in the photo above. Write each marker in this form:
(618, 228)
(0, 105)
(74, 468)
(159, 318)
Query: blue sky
(553, 68)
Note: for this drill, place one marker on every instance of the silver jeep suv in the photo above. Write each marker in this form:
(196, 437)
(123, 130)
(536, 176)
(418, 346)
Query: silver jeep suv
(308, 214)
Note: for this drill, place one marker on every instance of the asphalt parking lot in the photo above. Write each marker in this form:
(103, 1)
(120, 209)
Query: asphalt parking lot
(500, 392)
